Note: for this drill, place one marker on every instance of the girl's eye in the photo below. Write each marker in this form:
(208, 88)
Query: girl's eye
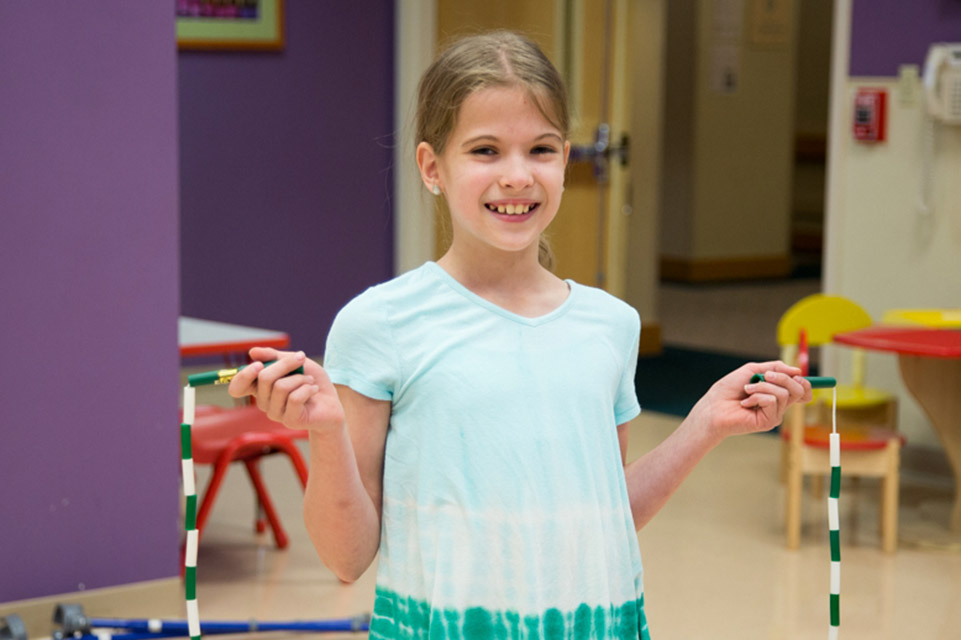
(483, 151)
(543, 149)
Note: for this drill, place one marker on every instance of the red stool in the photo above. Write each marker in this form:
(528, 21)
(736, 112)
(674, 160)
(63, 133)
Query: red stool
(221, 436)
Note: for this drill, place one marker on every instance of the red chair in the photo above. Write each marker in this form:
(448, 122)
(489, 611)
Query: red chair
(222, 436)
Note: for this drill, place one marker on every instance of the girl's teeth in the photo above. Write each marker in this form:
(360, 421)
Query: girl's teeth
(513, 209)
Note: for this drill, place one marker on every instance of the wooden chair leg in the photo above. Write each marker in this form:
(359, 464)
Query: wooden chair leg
(890, 485)
(817, 486)
(785, 449)
(892, 414)
(793, 507)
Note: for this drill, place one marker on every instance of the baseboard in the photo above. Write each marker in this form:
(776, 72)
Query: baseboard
(164, 597)
(697, 270)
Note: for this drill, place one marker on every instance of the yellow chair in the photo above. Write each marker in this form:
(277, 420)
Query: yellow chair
(867, 450)
(821, 317)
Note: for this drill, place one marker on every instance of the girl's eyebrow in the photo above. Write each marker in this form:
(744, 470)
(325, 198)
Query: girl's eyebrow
(490, 138)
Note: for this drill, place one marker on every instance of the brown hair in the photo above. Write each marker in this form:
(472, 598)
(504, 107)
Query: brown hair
(495, 59)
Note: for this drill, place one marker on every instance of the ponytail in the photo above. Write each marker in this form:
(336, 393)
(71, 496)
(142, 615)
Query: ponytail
(545, 255)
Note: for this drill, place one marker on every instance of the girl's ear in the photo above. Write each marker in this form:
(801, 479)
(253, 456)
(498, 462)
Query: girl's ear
(567, 151)
(427, 164)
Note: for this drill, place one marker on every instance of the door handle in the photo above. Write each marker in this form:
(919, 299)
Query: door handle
(602, 152)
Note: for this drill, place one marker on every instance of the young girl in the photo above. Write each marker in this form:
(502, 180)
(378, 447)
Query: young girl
(470, 422)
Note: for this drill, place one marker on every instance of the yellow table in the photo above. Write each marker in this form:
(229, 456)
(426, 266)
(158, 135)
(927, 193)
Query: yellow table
(938, 318)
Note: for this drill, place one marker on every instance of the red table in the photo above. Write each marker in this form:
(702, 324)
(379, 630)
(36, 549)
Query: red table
(206, 337)
(930, 363)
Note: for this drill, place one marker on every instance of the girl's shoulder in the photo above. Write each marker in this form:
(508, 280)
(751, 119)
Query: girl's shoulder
(604, 303)
(406, 285)
(400, 292)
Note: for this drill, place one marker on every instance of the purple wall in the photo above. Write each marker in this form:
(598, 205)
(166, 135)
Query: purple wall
(888, 33)
(285, 172)
(88, 277)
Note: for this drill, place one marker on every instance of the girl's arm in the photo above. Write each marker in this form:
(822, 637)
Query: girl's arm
(732, 406)
(348, 431)
(342, 504)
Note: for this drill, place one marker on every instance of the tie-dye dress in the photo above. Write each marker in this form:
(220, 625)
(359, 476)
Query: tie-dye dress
(505, 512)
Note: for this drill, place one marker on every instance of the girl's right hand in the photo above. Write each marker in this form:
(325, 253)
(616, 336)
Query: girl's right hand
(300, 401)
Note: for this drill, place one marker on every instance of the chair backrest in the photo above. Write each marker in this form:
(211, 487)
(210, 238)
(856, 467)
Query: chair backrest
(821, 317)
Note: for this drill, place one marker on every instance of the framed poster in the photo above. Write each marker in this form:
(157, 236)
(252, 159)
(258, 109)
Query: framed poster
(771, 22)
(255, 25)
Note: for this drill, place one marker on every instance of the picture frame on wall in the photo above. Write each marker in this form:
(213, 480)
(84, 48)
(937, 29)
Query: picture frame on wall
(230, 25)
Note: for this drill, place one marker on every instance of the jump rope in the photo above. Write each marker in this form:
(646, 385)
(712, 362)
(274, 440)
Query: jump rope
(224, 376)
(834, 530)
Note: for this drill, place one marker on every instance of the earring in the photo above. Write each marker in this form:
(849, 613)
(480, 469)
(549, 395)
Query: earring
(435, 190)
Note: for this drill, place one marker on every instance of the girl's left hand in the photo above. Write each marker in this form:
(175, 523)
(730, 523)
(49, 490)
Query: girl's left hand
(734, 405)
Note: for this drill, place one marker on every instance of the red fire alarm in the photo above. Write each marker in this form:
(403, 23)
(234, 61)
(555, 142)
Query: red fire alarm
(870, 115)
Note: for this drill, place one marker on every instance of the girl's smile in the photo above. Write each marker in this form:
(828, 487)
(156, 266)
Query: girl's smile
(512, 208)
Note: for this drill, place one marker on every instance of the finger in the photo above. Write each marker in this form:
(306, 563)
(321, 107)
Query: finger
(779, 396)
(284, 365)
(296, 407)
(271, 374)
(772, 365)
(807, 393)
(280, 394)
(782, 367)
(794, 384)
(265, 354)
(765, 410)
(244, 383)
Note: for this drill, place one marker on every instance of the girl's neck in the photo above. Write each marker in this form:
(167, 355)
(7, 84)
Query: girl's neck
(493, 268)
(514, 281)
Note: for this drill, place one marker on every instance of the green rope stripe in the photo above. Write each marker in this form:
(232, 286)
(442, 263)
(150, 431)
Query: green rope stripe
(190, 515)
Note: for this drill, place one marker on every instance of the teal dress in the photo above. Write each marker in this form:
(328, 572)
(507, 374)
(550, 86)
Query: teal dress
(505, 511)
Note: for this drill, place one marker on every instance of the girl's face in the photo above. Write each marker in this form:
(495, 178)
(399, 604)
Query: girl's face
(502, 171)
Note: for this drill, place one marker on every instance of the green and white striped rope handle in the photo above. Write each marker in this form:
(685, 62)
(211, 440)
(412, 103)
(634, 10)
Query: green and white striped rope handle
(190, 517)
(834, 521)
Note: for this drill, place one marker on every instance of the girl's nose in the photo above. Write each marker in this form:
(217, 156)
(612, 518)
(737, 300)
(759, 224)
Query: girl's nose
(517, 174)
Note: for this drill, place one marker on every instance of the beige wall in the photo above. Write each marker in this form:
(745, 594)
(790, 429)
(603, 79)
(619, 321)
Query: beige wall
(813, 67)
(882, 252)
(728, 156)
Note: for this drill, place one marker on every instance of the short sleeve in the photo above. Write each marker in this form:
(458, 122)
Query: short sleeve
(360, 351)
(626, 406)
